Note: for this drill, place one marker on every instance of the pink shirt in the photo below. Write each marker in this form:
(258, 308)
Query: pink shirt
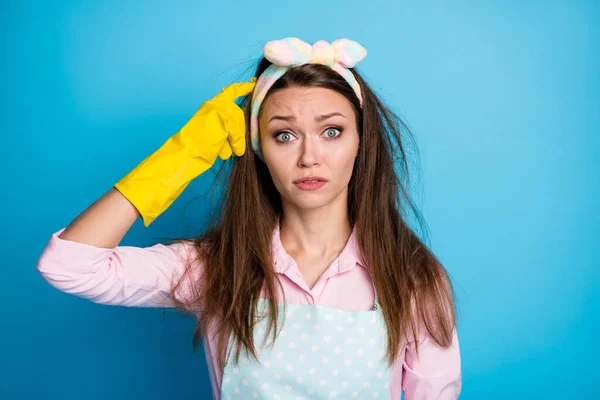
(141, 277)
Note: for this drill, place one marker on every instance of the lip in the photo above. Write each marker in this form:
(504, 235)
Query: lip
(310, 185)
(310, 178)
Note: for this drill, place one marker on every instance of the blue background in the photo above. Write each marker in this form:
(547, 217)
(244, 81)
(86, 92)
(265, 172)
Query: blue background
(503, 97)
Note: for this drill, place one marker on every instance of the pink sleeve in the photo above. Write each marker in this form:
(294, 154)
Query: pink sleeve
(435, 374)
(123, 275)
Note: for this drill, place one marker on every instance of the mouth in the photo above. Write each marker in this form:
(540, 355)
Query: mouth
(310, 182)
(310, 179)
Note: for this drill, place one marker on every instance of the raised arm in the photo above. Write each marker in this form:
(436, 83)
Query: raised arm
(104, 223)
(85, 258)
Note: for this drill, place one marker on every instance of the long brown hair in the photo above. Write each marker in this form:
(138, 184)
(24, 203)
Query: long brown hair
(414, 288)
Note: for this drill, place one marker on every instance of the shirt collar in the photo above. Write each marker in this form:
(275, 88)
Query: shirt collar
(349, 257)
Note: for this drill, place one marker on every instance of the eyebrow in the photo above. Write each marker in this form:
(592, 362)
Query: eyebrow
(318, 118)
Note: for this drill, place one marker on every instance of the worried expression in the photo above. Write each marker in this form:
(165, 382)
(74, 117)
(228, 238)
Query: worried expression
(309, 132)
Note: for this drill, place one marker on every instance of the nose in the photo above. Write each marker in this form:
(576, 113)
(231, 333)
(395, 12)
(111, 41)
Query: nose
(310, 151)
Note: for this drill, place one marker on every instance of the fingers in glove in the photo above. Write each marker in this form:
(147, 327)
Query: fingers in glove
(236, 137)
(235, 90)
(225, 151)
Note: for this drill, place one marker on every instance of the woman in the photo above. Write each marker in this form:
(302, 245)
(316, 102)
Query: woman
(309, 283)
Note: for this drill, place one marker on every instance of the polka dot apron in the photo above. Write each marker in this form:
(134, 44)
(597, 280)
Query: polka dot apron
(321, 353)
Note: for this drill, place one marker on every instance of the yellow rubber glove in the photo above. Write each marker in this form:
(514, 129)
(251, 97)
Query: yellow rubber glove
(218, 128)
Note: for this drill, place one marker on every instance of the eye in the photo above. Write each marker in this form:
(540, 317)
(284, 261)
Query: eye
(333, 129)
(333, 132)
(286, 135)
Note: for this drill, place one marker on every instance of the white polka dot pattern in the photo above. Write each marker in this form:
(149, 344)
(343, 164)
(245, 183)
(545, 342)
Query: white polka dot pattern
(325, 353)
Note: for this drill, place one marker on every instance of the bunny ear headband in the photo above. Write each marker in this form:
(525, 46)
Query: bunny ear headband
(292, 52)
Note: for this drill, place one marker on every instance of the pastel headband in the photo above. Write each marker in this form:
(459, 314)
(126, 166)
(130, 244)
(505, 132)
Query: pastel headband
(292, 52)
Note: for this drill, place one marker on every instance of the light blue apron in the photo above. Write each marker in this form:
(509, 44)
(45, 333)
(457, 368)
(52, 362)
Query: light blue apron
(321, 353)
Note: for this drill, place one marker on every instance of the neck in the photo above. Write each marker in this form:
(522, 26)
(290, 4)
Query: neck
(318, 232)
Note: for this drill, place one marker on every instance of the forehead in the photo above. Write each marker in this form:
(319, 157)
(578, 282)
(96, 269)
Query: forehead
(306, 100)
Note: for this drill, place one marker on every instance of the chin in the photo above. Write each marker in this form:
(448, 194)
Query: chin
(308, 204)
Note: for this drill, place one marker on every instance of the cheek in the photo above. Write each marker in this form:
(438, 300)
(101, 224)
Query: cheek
(343, 156)
(279, 167)
(342, 165)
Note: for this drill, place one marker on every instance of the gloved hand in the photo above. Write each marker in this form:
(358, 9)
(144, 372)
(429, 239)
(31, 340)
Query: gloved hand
(218, 128)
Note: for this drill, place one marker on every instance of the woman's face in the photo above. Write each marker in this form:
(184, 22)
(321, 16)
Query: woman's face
(309, 132)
